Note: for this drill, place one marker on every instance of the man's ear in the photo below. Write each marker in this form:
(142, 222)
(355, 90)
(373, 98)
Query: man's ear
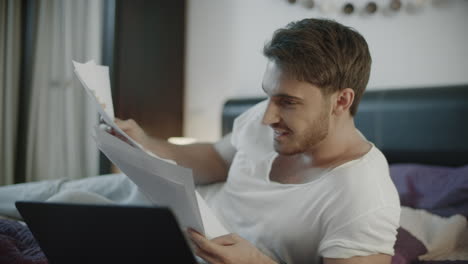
(343, 101)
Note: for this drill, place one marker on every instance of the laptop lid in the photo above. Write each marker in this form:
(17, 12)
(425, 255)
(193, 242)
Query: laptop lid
(84, 233)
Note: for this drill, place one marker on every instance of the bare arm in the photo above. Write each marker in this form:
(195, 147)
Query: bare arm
(207, 164)
(233, 249)
(202, 158)
(372, 259)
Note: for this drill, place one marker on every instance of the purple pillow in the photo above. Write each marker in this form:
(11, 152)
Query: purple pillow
(407, 248)
(17, 245)
(441, 262)
(439, 190)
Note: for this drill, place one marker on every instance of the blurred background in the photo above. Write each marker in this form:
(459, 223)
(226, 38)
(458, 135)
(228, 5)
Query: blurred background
(173, 64)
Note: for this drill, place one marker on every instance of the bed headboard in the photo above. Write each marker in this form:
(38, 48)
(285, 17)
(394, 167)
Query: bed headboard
(417, 125)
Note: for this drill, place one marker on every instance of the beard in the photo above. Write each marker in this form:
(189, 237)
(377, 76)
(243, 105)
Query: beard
(296, 142)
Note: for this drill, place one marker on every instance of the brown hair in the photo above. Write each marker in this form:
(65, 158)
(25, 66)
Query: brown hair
(324, 53)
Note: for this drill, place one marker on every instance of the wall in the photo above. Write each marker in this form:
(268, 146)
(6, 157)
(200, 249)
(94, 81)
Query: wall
(417, 47)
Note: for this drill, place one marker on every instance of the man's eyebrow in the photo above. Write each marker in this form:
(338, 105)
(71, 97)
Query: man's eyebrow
(283, 95)
(287, 96)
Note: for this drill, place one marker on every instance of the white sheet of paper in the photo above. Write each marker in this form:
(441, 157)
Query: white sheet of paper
(96, 82)
(161, 180)
(96, 78)
(163, 183)
(213, 227)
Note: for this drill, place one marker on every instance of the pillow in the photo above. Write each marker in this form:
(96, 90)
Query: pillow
(428, 237)
(443, 237)
(407, 248)
(17, 244)
(440, 190)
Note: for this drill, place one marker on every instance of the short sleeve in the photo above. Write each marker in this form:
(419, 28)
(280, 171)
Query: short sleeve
(225, 149)
(372, 233)
(249, 135)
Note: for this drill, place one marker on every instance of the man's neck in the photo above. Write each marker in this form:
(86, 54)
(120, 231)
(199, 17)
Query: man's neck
(342, 144)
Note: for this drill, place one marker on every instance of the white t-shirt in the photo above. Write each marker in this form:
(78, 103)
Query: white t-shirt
(349, 210)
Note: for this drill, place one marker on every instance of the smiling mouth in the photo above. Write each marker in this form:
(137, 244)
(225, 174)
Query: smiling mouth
(280, 133)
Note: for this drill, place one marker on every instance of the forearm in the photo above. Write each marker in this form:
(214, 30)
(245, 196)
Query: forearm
(227, 249)
(202, 158)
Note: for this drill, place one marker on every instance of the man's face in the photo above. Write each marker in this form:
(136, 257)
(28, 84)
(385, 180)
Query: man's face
(297, 112)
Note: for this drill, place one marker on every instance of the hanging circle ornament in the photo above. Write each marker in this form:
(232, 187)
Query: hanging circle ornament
(348, 8)
(395, 5)
(309, 3)
(371, 8)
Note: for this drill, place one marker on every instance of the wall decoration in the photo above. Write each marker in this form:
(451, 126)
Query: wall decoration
(362, 7)
(348, 8)
(395, 5)
(371, 7)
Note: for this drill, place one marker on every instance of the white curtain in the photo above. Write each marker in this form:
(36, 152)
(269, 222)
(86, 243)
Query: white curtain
(10, 28)
(59, 143)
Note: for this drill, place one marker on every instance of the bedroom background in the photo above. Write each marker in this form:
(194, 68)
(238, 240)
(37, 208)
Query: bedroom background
(45, 117)
(214, 53)
(417, 46)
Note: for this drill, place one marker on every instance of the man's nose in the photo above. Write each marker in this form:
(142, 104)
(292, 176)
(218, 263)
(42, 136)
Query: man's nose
(271, 115)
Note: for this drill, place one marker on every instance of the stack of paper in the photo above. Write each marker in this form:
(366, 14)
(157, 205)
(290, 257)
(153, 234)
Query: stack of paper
(162, 181)
(96, 82)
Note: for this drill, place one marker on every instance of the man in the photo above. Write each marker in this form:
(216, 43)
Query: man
(302, 183)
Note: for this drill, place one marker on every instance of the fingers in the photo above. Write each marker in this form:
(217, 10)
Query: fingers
(206, 256)
(125, 124)
(226, 240)
(203, 243)
(121, 121)
(204, 248)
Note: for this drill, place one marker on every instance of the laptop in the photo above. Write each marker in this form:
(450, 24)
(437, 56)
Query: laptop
(84, 233)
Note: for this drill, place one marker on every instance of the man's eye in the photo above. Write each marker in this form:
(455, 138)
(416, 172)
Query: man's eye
(287, 102)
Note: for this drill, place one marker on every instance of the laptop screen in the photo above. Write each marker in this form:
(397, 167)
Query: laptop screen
(84, 233)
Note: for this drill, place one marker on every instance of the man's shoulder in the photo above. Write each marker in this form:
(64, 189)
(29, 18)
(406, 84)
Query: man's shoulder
(250, 135)
(253, 114)
(371, 166)
(364, 184)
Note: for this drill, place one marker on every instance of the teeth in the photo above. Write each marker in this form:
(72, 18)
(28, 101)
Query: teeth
(280, 133)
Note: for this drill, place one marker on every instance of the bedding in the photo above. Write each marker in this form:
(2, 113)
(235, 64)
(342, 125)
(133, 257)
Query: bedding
(440, 190)
(429, 235)
(437, 234)
(407, 248)
(17, 245)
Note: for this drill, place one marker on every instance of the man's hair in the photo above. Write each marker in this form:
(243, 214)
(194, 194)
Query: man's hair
(324, 53)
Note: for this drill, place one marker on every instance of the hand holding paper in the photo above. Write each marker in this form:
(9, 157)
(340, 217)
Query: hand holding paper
(162, 181)
(96, 82)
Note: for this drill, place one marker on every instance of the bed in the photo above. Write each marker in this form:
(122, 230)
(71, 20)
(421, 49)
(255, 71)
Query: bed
(423, 134)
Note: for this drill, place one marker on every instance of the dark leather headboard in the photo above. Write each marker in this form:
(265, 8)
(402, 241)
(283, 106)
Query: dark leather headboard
(417, 125)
